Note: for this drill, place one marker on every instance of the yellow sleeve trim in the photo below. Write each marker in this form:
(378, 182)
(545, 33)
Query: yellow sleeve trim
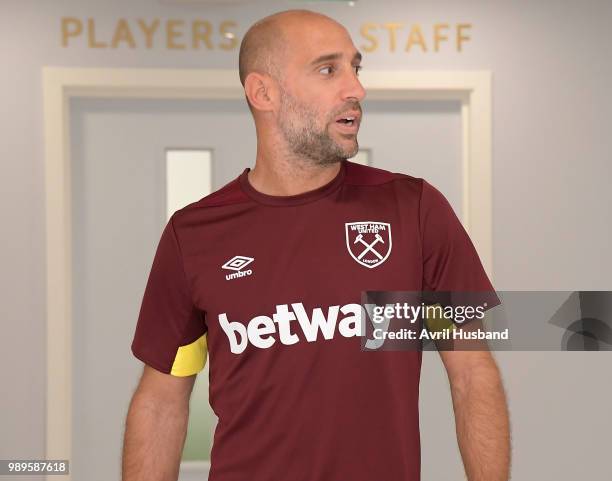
(437, 322)
(191, 358)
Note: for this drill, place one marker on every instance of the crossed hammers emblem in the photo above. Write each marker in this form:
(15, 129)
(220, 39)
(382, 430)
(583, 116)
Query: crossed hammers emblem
(369, 247)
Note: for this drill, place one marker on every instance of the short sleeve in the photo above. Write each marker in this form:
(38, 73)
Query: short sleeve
(170, 332)
(450, 260)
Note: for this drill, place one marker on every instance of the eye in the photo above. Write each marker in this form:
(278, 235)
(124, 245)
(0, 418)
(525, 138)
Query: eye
(358, 69)
(328, 67)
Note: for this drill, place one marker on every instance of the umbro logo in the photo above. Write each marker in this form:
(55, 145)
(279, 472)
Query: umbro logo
(236, 264)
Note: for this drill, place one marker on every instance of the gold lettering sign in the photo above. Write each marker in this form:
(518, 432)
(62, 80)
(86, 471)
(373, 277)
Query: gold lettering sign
(123, 34)
(416, 37)
(172, 34)
(91, 35)
(197, 34)
(460, 36)
(233, 41)
(365, 32)
(174, 31)
(71, 27)
(413, 37)
(202, 31)
(148, 29)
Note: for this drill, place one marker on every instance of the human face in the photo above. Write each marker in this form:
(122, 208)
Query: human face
(321, 85)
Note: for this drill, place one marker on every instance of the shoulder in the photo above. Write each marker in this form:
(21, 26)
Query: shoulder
(225, 202)
(400, 185)
(365, 175)
(229, 195)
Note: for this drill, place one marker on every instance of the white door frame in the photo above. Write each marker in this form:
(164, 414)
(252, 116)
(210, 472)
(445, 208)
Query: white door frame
(472, 88)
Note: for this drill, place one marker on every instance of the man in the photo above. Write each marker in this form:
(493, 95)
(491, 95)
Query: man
(266, 274)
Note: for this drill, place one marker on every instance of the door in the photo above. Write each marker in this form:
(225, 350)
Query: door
(120, 154)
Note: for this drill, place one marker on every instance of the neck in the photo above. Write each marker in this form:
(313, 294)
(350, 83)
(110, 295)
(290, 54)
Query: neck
(283, 175)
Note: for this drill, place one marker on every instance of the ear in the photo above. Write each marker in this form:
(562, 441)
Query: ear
(260, 91)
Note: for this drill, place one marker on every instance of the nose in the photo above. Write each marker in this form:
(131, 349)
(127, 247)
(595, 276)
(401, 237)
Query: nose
(353, 90)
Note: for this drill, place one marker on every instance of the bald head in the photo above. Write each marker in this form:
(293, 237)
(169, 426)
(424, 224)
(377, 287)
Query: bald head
(265, 45)
(299, 70)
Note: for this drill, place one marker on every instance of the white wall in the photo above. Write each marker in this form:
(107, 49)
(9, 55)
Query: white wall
(551, 148)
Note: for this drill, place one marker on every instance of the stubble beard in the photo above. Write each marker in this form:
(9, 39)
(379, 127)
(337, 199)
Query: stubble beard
(298, 125)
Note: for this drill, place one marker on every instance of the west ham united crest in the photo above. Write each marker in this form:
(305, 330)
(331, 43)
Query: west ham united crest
(369, 243)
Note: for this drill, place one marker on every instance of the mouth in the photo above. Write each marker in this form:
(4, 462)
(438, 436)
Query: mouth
(349, 122)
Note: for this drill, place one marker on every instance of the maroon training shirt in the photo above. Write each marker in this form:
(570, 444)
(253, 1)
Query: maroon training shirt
(274, 281)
